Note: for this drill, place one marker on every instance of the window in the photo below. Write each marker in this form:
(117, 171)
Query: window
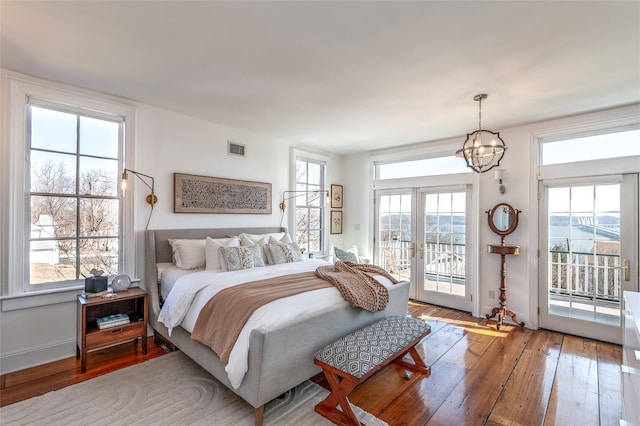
(434, 166)
(73, 217)
(310, 201)
(597, 147)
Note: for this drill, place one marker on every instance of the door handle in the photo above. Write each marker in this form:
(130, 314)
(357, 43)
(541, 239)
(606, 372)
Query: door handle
(625, 270)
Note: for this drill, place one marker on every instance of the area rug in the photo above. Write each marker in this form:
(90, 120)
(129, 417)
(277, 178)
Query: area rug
(169, 390)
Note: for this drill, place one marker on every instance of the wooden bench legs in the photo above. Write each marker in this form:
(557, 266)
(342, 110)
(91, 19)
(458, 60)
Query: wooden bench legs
(342, 384)
(341, 387)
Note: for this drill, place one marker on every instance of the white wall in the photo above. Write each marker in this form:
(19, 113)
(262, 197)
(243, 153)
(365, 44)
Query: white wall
(166, 142)
(521, 188)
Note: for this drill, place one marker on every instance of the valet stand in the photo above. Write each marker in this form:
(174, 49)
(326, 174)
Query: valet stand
(503, 220)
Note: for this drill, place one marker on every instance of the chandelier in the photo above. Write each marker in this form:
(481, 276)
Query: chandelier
(483, 149)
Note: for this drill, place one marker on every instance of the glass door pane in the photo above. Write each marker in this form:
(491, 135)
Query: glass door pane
(394, 233)
(441, 276)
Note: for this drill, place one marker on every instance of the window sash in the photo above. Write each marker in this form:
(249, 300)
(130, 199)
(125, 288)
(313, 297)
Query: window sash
(80, 242)
(312, 182)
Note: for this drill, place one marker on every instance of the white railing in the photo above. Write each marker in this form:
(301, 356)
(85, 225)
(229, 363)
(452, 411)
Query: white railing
(585, 274)
(444, 260)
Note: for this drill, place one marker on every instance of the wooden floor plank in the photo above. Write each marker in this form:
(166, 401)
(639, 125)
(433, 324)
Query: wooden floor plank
(524, 399)
(609, 383)
(574, 398)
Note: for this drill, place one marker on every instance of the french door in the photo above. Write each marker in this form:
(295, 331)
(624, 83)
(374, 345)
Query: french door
(588, 253)
(422, 237)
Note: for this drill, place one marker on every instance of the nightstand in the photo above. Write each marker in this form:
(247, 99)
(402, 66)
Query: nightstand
(90, 338)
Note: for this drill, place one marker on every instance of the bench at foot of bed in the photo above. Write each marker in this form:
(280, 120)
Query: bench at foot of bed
(354, 358)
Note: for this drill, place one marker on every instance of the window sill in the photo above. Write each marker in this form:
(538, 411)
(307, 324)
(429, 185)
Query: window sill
(16, 302)
(35, 299)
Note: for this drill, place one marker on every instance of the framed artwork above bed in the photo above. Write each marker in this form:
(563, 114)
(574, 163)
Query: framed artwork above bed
(204, 194)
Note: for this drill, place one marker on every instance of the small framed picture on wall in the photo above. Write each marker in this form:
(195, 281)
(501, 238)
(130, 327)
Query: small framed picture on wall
(336, 222)
(336, 196)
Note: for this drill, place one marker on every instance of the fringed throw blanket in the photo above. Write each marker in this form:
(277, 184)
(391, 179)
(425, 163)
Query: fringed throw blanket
(222, 318)
(357, 285)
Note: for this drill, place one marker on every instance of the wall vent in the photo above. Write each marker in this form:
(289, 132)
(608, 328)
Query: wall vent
(235, 148)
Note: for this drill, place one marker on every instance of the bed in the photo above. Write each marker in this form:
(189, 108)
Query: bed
(280, 356)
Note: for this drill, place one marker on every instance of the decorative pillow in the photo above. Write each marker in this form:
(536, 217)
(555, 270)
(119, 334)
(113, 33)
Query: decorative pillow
(188, 254)
(258, 255)
(212, 251)
(282, 253)
(236, 258)
(259, 240)
(346, 255)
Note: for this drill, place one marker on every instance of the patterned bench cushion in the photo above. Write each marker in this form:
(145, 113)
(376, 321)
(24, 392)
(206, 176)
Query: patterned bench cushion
(364, 349)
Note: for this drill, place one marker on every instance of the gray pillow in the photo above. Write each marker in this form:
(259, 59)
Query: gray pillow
(282, 253)
(236, 258)
(345, 256)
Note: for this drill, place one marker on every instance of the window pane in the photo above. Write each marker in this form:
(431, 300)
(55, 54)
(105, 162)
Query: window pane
(620, 144)
(53, 130)
(425, 167)
(53, 173)
(101, 254)
(53, 217)
(98, 137)
(98, 176)
(50, 262)
(559, 200)
(98, 217)
(315, 241)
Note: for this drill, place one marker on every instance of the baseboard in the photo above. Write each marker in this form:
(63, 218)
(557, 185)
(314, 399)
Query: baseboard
(16, 361)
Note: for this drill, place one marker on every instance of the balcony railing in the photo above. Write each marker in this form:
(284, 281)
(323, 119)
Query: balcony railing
(442, 261)
(585, 274)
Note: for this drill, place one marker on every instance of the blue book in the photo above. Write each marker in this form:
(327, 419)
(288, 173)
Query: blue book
(113, 320)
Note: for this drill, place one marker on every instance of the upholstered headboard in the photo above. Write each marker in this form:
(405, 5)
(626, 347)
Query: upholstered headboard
(157, 250)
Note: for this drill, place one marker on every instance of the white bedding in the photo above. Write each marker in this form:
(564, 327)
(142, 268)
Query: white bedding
(168, 274)
(191, 292)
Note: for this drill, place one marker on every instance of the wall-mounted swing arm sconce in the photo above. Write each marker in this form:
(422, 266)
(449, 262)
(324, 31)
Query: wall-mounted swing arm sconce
(285, 198)
(296, 194)
(151, 198)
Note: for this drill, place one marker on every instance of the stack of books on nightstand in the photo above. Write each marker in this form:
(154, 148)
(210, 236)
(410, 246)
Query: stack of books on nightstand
(113, 321)
(98, 294)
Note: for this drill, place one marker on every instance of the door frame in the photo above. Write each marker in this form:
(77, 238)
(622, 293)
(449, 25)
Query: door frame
(629, 242)
(471, 181)
(454, 302)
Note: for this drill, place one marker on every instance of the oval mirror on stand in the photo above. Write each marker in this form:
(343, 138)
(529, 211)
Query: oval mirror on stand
(503, 220)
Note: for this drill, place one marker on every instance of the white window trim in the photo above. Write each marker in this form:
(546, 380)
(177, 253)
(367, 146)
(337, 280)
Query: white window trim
(12, 251)
(298, 154)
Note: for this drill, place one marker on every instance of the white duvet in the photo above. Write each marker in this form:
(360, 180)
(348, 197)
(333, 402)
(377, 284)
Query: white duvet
(191, 292)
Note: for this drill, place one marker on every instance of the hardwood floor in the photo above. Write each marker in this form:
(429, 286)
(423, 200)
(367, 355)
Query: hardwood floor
(56, 375)
(478, 376)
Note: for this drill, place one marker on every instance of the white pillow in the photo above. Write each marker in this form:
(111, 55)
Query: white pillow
(212, 251)
(188, 254)
(252, 239)
(286, 238)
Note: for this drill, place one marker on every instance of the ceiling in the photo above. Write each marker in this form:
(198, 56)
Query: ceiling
(342, 77)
